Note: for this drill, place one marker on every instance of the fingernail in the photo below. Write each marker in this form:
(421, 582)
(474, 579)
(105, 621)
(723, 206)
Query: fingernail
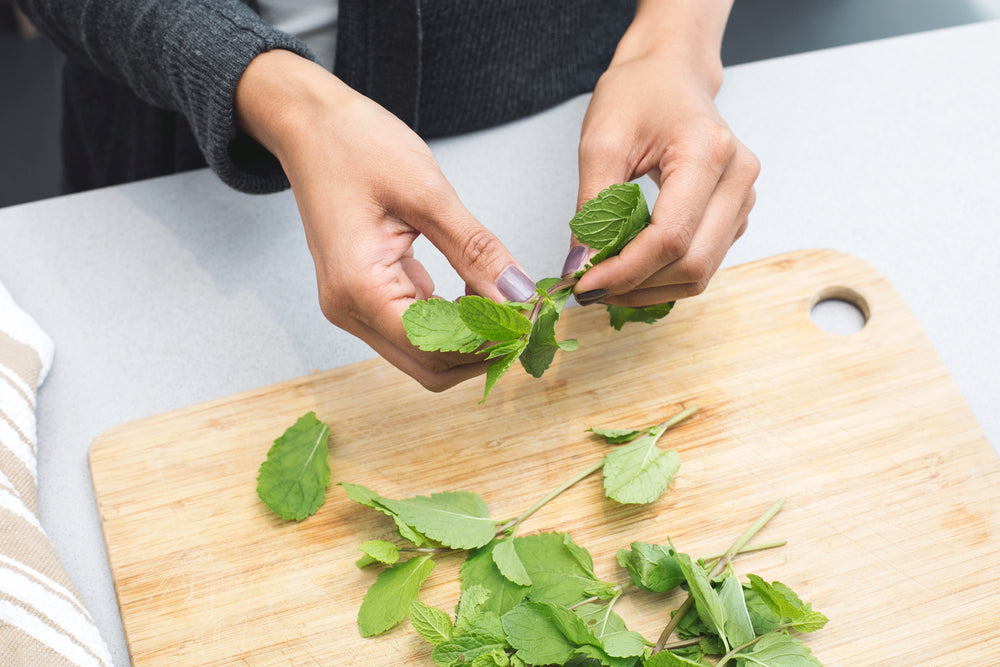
(575, 260)
(514, 285)
(591, 297)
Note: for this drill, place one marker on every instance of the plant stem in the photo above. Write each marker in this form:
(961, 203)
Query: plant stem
(520, 518)
(732, 652)
(523, 516)
(711, 559)
(619, 588)
(719, 566)
(681, 643)
(562, 284)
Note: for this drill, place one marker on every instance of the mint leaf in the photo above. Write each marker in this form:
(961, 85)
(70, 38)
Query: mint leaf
(474, 597)
(706, 599)
(794, 613)
(670, 659)
(380, 551)
(479, 569)
(542, 343)
(388, 600)
(610, 220)
(640, 472)
(499, 366)
(456, 519)
(491, 320)
(435, 325)
(777, 650)
(617, 640)
(469, 650)
(621, 315)
(365, 496)
(531, 630)
(561, 571)
(509, 563)
(651, 567)
(739, 628)
(616, 436)
(292, 481)
(432, 624)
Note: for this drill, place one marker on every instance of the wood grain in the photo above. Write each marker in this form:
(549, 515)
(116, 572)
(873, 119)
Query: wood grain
(892, 515)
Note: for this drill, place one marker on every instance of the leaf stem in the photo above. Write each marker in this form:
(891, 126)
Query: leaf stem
(618, 588)
(523, 516)
(750, 548)
(520, 518)
(719, 566)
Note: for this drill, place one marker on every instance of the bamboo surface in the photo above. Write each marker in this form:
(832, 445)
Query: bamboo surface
(893, 494)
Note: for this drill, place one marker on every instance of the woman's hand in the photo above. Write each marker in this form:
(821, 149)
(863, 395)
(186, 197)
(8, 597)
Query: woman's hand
(366, 187)
(653, 113)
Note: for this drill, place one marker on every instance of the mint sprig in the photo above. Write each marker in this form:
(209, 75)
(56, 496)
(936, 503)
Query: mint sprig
(501, 333)
(292, 481)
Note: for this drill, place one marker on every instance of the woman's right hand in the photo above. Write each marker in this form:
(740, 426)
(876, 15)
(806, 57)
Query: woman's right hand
(366, 187)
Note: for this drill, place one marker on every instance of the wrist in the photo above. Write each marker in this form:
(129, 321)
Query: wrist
(280, 96)
(684, 35)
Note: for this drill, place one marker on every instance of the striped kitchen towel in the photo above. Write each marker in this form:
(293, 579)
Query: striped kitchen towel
(42, 621)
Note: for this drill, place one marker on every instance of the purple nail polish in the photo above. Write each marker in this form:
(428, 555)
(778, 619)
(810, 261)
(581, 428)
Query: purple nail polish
(514, 285)
(575, 260)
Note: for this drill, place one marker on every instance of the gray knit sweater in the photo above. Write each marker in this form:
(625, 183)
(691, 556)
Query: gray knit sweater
(148, 85)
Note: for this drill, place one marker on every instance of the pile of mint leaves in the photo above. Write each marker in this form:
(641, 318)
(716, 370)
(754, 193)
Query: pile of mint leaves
(504, 333)
(535, 599)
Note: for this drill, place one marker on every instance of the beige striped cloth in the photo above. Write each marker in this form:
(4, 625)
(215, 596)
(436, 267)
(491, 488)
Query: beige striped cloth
(42, 621)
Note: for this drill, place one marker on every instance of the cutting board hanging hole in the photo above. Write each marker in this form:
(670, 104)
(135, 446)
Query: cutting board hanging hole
(839, 310)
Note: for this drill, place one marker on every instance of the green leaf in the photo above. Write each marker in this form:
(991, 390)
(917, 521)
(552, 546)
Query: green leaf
(499, 366)
(542, 344)
(795, 614)
(776, 649)
(611, 219)
(497, 657)
(292, 481)
(763, 617)
(473, 598)
(509, 563)
(561, 571)
(738, 626)
(465, 650)
(617, 640)
(532, 631)
(456, 519)
(706, 599)
(651, 567)
(670, 659)
(639, 472)
(365, 496)
(621, 315)
(380, 551)
(588, 655)
(491, 320)
(479, 569)
(617, 436)
(435, 325)
(388, 600)
(432, 624)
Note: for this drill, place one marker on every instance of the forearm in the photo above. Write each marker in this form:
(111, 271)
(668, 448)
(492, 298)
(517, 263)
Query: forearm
(687, 33)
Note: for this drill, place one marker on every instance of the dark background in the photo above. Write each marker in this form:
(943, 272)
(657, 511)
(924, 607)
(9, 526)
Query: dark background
(758, 29)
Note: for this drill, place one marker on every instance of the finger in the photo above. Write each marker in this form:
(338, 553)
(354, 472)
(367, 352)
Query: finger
(677, 212)
(706, 254)
(433, 370)
(473, 251)
(417, 274)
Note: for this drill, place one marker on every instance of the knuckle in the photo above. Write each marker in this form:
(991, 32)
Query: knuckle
(479, 248)
(696, 269)
(674, 243)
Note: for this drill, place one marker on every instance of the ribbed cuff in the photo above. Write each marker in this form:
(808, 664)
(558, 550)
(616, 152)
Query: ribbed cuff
(207, 64)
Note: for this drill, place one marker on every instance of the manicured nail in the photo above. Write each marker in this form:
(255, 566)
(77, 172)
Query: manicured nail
(575, 260)
(514, 285)
(591, 297)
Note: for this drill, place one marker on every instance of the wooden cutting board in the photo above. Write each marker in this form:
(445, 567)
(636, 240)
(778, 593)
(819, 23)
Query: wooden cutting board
(893, 495)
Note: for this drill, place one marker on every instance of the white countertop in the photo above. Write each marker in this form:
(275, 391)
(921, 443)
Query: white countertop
(177, 290)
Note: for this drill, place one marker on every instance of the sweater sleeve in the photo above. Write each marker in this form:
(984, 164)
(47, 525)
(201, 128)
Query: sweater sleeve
(185, 56)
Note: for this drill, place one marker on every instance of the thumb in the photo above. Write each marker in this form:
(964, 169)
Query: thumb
(475, 253)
